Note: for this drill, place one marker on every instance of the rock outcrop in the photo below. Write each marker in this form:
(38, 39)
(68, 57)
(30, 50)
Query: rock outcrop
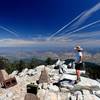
(56, 87)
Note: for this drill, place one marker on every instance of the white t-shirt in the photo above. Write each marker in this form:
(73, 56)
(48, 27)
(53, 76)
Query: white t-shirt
(77, 58)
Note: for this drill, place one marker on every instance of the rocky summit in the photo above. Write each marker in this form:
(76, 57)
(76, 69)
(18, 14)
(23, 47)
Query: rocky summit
(53, 84)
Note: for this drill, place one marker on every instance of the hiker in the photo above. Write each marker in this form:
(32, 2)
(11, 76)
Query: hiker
(78, 61)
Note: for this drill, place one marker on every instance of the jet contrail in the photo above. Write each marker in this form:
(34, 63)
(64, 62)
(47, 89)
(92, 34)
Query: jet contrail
(79, 29)
(66, 25)
(11, 32)
(87, 15)
(82, 18)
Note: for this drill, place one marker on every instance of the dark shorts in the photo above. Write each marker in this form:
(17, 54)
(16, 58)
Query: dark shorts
(78, 66)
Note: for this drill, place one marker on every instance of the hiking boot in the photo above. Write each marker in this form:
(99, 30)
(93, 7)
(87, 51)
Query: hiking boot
(78, 80)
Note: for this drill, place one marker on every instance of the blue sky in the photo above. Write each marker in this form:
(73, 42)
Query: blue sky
(28, 22)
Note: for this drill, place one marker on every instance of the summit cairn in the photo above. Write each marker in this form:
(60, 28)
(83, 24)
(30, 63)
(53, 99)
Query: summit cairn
(44, 77)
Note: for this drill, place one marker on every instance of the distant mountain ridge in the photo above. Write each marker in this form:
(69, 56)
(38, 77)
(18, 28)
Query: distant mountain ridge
(28, 54)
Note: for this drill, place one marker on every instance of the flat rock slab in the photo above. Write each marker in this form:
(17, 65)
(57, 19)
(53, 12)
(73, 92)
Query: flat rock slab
(89, 97)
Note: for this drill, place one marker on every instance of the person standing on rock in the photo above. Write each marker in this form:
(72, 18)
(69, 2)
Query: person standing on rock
(78, 61)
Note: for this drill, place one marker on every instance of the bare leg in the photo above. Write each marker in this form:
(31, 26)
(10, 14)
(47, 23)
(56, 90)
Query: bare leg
(78, 75)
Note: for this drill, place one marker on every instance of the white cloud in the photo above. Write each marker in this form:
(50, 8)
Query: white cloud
(15, 42)
(25, 43)
(86, 39)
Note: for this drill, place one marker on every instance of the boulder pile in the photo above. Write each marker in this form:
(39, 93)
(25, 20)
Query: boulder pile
(52, 85)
